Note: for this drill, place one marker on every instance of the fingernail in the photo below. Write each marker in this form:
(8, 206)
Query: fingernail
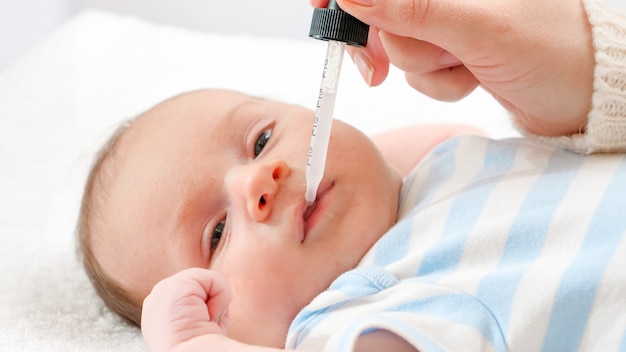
(362, 2)
(365, 68)
(448, 60)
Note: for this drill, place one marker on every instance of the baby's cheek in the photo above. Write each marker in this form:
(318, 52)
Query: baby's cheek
(260, 313)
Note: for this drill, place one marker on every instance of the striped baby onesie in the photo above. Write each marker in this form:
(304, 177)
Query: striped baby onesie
(506, 245)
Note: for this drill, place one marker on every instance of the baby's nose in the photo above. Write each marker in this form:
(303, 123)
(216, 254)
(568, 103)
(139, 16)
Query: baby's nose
(259, 185)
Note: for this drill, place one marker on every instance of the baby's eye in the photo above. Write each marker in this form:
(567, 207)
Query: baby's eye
(261, 142)
(218, 231)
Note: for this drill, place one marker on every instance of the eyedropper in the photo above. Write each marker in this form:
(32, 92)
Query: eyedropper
(338, 28)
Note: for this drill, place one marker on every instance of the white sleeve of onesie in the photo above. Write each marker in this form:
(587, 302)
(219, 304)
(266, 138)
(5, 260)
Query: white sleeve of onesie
(606, 126)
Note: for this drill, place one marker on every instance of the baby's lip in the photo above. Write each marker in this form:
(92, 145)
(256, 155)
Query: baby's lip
(309, 210)
(306, 211)
(309, 218)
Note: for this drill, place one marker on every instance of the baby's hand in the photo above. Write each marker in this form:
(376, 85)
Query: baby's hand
(189, 304)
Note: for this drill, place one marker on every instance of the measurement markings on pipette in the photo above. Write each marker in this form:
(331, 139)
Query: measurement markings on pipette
(318, 107)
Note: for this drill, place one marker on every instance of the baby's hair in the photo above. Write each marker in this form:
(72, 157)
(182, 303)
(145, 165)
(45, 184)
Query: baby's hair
(118, 299)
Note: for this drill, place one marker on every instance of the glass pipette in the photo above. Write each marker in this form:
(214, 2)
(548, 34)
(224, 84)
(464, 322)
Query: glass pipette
(338, 28)
(322, 123)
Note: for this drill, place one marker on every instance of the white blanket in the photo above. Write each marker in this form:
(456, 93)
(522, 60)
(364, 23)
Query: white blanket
(61, 100)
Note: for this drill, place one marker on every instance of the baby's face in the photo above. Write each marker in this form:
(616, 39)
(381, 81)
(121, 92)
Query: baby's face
(215, 179)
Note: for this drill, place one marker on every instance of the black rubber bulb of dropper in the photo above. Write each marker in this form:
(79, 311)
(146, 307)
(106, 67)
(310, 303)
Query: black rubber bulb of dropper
(332, 23)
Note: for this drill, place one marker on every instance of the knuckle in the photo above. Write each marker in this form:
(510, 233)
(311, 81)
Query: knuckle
(415, 11)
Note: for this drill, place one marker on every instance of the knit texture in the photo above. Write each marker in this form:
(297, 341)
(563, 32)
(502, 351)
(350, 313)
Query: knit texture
(606, 126)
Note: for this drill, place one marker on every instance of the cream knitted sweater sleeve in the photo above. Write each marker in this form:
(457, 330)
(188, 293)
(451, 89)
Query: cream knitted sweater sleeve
(606, 126)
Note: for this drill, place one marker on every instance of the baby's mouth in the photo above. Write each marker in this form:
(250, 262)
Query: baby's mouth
(309, 210)
(311, 215)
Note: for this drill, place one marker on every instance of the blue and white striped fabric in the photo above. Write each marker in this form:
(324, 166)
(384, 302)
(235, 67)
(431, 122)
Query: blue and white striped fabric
(500, 245)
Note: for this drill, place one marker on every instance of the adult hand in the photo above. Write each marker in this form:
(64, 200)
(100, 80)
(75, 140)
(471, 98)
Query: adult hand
(535, 57)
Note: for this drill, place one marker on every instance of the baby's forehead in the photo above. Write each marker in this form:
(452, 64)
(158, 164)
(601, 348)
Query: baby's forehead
(207, 103)
(202, 105)
(197, 117)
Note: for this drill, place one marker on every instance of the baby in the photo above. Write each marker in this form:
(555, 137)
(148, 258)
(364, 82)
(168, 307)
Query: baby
(486, 245)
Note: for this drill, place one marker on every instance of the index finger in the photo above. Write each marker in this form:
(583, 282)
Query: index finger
(448, 24)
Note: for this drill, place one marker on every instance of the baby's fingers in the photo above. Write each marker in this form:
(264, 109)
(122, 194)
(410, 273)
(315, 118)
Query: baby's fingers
(196, 298)
(219, 295)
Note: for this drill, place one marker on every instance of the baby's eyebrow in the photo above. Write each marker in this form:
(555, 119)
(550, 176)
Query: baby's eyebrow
(236, 111)
(230, 116)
